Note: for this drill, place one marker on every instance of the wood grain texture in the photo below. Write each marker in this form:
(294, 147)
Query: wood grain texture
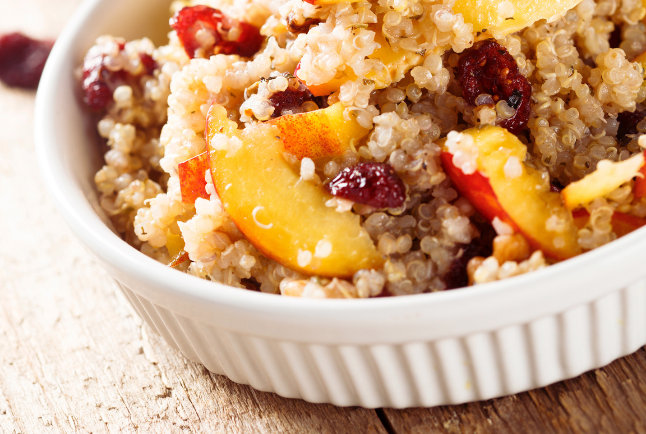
(74, 358)
(606, 401)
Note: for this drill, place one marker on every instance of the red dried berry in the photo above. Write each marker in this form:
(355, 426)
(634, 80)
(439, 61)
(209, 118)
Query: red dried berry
(22, 60)
(456, 276)
(99, 82)
(149, 63)
(490, 69)
(97, 95)
(628, 123)
(189, 20)
(290, 100)
(374, 184)
(556, 186)
(251, 284)
(295, 28)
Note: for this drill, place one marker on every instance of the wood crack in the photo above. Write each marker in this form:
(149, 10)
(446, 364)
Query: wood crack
(384, 421)
(127, 407)
(188, 395)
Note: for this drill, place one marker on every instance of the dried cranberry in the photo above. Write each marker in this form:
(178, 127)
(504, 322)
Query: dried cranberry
(22, 60)
(556, 186)
(191, 19)
(490, 69)
(149, 63)
(291, 99)
(97, 95)
(456, 276)
(374, 184)
(628, 123)
(251, 284)
(99, 82)
(295, 28)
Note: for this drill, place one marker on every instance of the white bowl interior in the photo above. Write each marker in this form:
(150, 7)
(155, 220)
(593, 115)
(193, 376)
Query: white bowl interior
(69, 156)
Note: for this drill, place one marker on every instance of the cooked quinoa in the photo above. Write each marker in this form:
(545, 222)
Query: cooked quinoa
(586, 106)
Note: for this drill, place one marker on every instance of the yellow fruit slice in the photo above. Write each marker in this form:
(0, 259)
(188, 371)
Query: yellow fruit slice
(491, 15)
(518, 196)
(283, 216)
(607, 178)
(317, 134)
(396, 65)
(175, 244)
(641, 59)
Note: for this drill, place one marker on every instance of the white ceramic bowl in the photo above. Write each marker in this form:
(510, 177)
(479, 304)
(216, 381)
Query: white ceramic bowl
(423, 350)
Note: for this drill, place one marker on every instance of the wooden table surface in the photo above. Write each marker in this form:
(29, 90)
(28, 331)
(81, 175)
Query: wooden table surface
(75, 358)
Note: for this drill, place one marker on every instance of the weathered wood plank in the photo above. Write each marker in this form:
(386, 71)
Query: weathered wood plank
(609, 400)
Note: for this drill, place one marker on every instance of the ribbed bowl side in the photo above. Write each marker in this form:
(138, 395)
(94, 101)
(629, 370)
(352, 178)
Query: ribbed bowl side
(452, 370)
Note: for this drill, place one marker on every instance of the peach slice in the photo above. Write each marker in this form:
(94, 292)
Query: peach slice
(317, 134)
(397, 64)
(191, 178)
(500, 186)
(320, 133)
(641, 59)
(623, 224)
(282, 216)
(331, 86)
(508, 16)
(603, 181)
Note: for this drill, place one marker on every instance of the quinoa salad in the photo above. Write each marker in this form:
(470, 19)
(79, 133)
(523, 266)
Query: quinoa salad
(355, 149)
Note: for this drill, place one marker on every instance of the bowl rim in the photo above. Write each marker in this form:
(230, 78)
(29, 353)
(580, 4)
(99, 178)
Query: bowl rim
(120, 256)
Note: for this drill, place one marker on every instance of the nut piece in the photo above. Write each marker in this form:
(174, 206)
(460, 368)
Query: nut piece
(510, 248)
(472, 266)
